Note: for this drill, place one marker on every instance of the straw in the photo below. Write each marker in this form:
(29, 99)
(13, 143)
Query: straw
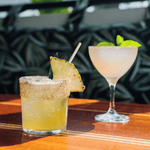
(74, 53)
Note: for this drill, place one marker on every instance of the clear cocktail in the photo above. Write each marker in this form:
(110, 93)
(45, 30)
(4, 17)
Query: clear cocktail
(112, 62)
(44, 104)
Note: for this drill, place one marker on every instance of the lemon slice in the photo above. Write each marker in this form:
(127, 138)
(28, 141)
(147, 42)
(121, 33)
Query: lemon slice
(63, 69)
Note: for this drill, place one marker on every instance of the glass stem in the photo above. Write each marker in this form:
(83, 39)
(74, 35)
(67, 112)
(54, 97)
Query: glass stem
(111, 109)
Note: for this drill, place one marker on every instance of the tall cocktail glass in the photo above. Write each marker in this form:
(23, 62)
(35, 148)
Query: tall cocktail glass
(112, 62)
(44, 104)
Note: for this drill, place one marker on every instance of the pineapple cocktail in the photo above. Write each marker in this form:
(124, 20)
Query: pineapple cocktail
(45, 101)
(44, 104)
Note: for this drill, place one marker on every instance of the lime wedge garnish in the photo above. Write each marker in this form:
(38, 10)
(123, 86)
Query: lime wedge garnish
(131, 43)
(119, 40)
(105, 44)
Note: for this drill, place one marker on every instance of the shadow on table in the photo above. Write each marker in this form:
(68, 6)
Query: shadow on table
(11, 130)
(8, 97)
(79, 120)
(11, 127)
(101, 107)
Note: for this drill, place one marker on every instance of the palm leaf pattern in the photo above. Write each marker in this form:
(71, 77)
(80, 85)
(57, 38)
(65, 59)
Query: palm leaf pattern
(26, 51)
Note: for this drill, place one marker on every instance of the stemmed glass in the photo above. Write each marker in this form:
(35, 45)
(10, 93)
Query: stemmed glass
(112, 62)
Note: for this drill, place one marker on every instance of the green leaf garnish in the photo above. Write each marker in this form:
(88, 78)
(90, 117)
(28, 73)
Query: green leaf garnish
(56, 55)
(50, 69)
(50, 73)
(119, 40)
(131, 43)
(105, 44)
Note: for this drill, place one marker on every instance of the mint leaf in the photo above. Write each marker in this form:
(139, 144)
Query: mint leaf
(105, 44)
(50, 69)
(131, 43)
(56, 55)
(119, 40)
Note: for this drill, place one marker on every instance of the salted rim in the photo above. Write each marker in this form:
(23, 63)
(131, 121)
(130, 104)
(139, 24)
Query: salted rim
(32, 80)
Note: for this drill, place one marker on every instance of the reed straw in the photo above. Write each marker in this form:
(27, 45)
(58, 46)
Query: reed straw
(74, 53)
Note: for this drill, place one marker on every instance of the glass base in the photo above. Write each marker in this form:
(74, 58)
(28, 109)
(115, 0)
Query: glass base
(112, 117)
(43, 132)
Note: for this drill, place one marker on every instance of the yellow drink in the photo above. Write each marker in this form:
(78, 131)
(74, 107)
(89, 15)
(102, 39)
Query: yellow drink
(44, 104)
(45, 115)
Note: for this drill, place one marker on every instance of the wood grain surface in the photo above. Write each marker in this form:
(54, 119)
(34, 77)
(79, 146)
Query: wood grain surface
(82, 130)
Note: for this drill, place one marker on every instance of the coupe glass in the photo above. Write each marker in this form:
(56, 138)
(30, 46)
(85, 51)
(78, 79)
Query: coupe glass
(112, 62)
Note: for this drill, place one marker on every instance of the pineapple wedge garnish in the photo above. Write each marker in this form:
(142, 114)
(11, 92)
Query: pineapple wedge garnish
(63, 69)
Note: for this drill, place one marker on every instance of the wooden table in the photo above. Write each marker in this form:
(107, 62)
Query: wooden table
(83, 133)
